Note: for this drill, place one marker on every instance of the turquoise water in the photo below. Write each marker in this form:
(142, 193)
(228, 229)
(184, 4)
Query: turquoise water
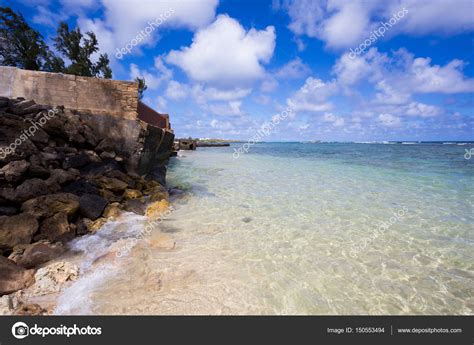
(293, 228)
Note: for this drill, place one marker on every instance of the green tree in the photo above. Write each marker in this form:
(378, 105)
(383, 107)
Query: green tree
(141, 87)
(79, 49)
(22, 46)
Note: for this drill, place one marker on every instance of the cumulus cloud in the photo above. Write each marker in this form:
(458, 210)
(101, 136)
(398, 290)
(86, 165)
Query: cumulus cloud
(155, 77)
(124, 19)
(312, 96)
(225, 55)
(294, 69)
(389, 120)
(336, 121)
(176, 90)
(231, 108)
(344, 24)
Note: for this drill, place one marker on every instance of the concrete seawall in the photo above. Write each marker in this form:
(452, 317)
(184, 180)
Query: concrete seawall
(110, 107)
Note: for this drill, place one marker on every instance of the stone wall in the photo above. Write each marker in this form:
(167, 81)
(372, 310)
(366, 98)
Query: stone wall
(113, 97)
(108, 106)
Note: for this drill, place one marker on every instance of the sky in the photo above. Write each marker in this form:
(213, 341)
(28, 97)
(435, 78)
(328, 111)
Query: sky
(370, 70)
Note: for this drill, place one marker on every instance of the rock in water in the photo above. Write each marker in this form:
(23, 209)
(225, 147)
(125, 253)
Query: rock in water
(162, 241)
(156, 209)
(136, 206)
(16, 230)
(13, 277)
(51, 278)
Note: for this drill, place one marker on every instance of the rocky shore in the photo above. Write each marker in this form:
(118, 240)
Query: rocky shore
(58, 180)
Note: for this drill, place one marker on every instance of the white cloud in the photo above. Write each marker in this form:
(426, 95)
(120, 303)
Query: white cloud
(224, 54)
(312, 96)
(176, 90)
(231, 108)
(422, 110)
(336, 121)
(221, 125)
(389, 120)
(345, 24)
(294, 69)
(124, 19)
(153, 78)
(161, 104)
(203, 94)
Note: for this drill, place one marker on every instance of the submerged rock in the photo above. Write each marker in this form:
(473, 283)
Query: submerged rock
(162, 241)
(156, 209)
(51, 278)
(137, 206)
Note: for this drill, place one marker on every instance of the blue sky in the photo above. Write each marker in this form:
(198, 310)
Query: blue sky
(348, 70)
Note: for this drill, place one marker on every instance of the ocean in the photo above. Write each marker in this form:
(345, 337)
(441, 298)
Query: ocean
(295, 229)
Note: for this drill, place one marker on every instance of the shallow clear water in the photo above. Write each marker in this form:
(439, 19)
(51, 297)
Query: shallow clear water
(293, 228)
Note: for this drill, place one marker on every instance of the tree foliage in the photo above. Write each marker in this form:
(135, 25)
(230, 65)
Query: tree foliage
(80, 49)
(141, 87)
(24, 47)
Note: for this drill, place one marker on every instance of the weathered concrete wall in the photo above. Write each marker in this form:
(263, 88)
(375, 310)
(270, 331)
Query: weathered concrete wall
(113, 97)
(108, 106)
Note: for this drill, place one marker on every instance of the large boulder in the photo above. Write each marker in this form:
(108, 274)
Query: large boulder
(91, 206)
(36, 168)
(77, 161)
(61, 176)
(57, 228)
(81, 187)
(15, 170)
(110, 183)
(31, 188)
(157, 193)
(16, 230)
(49, 205)
(37, 253)
(13, 277)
